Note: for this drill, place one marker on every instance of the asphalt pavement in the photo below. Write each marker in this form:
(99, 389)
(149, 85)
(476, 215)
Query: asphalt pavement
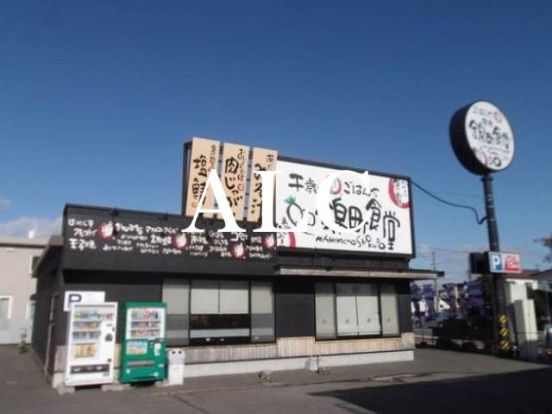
(436, 381)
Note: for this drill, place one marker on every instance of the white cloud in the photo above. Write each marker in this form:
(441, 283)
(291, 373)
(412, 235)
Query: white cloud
(20, 227)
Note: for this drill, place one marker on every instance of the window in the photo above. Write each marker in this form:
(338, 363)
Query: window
(355, 309)
(33, 262)
(262, 312)
(219, 312)
(234, 298)
(214, 312)
(325, 310)
(5, 308)
(30, 310)
(389, 310)
(176, 294)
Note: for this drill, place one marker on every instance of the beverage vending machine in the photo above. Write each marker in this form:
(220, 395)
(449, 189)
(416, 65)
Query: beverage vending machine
(91, 343)
(143, 348)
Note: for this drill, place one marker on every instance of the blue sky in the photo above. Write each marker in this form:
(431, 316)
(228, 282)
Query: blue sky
(97, 98)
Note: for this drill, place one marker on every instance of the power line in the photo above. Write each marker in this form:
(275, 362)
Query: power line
(449, 203)
(445, 249)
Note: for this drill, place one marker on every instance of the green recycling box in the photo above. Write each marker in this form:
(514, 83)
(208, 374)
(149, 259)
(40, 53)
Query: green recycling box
(143, 347)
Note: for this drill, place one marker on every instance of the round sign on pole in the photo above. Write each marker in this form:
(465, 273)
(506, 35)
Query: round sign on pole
(482, 138)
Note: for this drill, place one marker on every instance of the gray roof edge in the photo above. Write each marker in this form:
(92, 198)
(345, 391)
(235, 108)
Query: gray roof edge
(22, 242)
(55, 242)
(412, 274)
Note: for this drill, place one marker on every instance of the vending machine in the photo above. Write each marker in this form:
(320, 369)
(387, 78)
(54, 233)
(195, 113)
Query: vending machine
(143, 349)
(90, 343)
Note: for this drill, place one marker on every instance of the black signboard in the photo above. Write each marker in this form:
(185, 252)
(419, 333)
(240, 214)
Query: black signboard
(125, 240)
(482, 138)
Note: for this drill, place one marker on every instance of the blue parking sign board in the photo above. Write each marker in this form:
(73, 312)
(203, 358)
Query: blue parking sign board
(502, 262)
(495, 262)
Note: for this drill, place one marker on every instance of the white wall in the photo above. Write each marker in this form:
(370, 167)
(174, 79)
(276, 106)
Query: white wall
(17, 283)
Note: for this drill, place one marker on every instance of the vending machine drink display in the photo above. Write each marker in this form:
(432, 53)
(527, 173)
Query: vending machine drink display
(91, 343)
(143, 349)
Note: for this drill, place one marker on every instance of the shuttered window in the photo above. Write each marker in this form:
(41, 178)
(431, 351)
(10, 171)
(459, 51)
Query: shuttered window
(355, 310)
(325, 311)
(233, 297)
(176, 294)
(389, 309)
(219, 312)
(262, 312)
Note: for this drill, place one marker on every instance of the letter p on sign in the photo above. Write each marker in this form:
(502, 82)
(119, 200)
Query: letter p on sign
(496, 262)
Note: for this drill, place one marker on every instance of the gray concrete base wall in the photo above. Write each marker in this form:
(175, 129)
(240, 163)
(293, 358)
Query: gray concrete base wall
(284, 364)
(284, 354)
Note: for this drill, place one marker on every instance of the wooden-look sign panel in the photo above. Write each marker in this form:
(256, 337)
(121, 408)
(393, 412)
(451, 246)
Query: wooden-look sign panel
(235, 160)
(203, 158)
(263, 160)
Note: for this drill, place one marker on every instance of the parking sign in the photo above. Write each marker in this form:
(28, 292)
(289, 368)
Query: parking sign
(500, 262)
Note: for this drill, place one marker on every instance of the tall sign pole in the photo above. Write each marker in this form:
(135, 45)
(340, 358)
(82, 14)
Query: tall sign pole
(492, 227)
(500, 318)
(483, 142)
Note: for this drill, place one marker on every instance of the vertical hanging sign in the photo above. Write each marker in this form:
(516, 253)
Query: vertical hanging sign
(263, 160)
(234, 176)
(203, 158)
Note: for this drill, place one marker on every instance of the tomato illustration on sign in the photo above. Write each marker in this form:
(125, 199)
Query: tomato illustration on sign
(180, 241)
(238, 251)
(336, 187)
(106, 230)
(398, 192)
(269, 242)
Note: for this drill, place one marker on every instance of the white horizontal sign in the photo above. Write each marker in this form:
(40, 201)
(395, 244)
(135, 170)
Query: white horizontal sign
(382, 203)
(500, 262)
(82, 296)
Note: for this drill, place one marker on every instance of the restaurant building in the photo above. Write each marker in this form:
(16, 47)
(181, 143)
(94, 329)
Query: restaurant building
(251, 301)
